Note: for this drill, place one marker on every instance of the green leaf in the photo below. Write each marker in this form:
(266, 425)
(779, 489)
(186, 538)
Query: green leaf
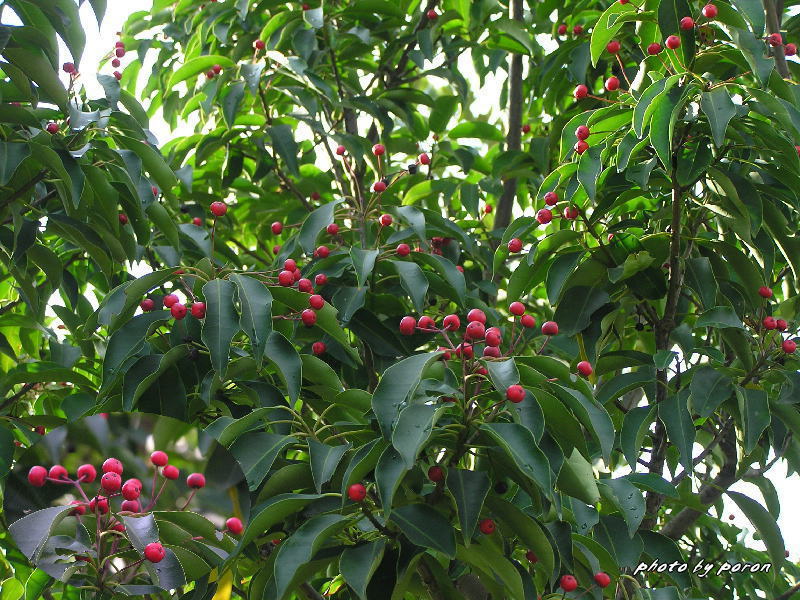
(469, 489)
(680, 428)
(256, 452)
(662, 123)
(232, 101)
(315, 222)
(478, 130)
(576, 478)
(141, 530)
(413, 281)
(426, 527)
(721, 317)
(589, 168)
(32, 531)
(255, 304)
(11, 155)
(363, 262)
(752, 48)
(606, 27)
(709, 388)
(198, 65)
(574, 311)
(362, 462)
(127, 341)
(273, 511)
(39, 69)
(719, 110)
(221, 323)
(300, 547)
(670, 13)
(283, 354)
(518, 442)
(11, 589)
(146, 371)
(324, 460)
(765, 525)
(283, 142)
(314, 17)
(753, 11)
(635, 425)
(627, 498)
(395, 386)
(444, 108)
(754, 413)
(358, 563)
(389, 473)
(412, 430)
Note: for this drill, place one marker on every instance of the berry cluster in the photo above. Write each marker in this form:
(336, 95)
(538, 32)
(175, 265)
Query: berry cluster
(111, 539)
(770, 324)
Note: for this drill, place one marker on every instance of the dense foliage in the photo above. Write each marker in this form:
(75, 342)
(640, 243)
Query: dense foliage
(639, 199)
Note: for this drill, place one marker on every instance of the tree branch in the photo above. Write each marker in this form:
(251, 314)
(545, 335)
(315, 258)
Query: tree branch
(789, 593)
(774, 26)
(514, 134)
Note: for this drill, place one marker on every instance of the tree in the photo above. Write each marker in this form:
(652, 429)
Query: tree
(424, 403)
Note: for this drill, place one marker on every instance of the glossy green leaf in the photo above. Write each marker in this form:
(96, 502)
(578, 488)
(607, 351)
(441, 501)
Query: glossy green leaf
(324, 460)
(221, 323)
(426, 527)
(358, 563)
(469, 489)
(680, 429)
(255, 305)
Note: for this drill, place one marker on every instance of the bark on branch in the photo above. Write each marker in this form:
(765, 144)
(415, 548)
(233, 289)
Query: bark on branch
(774, 10)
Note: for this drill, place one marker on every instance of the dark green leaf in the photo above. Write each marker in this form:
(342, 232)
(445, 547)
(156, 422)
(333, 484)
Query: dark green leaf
(426, 527)
(469, 489)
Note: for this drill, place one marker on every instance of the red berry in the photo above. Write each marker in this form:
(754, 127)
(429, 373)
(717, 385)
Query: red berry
(531, 556)
(305, 285)
(769, 323)
(475, 330)
(550, 328)
(112, 465)
(612, 84)
(318, 348)
(613, 47)
(340, 150)
(571, 213)
(196, 481)
(568, 583)
(159, 458)
(516, 308)
(580, 92)
(790, 49)
(52, 128)
(178, 310)
(582, 132)
(486, 526)
(407, 325)
(585, 368)
(119, 52)
(562, 29)
(131, 489)
(544, 216)
(170, 472)
(602, 579)
(80, 508)
(290, 265)
(218, 208)
(69, 68)
(465, 350)
(217, 69)
(488, 208)
(492, 338)
(111, 482)
(197, 221)
(170, 300)
(432, 15)
(277, 227)
(551, 198)
(687, 23)
(309, 317)
(789, 346)
(332, 229)
(385, 220)
(765, 292)
(86, 473)
(514, 245)
(147, 304)
(379, 186)
(234, 525)
(130, 505)
(403, 249)
(424, 159)
(99, 504)
(357, 492)
(37, 476)
(436, 473)
(781, 325)
(426, 323)
(198, 310)
(709, 11)
(654, 48)
(321, 279)
(259, 44)
(581, 147)
(117, 75)
(379, 150)
(577, 30)
(451, 323)
(322, 252)
(315, 196)
(673, 42)
(515, 393)
(154, 552)
(491, 352)
(528, 321)
(526, 128)
(285, 278)
(316, 301)
(476, 314)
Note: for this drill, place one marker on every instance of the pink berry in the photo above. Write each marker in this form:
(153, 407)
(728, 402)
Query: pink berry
(550, 328)
(112, 465)
(515, 393)
(196, 481)
(37, 476)
(159, 458)
(408, 325)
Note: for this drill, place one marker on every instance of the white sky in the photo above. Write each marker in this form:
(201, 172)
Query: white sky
(100, 43)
